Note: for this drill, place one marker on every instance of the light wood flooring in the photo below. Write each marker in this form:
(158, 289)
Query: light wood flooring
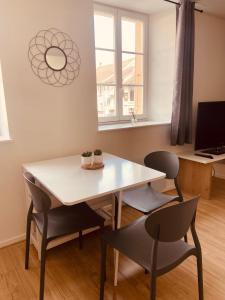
(74, 275)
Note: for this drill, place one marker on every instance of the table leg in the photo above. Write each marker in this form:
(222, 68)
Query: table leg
(113, 211)
(116, 253)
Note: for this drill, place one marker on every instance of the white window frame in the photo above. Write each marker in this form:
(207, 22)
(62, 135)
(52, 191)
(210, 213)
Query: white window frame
(118, 15)
(4, 129)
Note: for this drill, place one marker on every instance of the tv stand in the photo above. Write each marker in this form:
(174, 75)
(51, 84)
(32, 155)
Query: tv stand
(196, 172)
(215, 151)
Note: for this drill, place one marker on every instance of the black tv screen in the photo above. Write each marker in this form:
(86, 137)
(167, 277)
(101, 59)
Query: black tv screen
(210, 130)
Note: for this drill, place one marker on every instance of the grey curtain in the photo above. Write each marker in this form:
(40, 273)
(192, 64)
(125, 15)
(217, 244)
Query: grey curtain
(181, 127)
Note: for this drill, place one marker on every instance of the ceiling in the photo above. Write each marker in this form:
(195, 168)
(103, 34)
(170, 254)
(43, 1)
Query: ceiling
(146, 6)
(216, 7)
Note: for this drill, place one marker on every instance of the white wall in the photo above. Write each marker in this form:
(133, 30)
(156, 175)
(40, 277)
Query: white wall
(210, 66)
(209, 79)
(44, 121)
(162, 37)
(47, 122)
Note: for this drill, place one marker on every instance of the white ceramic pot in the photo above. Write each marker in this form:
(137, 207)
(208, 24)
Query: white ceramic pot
(86, 160)
(98, 159)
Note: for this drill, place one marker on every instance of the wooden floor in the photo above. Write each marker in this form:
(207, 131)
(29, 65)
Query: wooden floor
(74, 274)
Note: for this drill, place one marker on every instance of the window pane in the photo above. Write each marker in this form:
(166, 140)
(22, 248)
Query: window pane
(132, 35)
(106, 101)
(105, 67)
(104, 30)
(132, 100)
(132, 69)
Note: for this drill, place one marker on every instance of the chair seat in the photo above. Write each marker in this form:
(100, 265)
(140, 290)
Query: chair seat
(134, 242)
(68, 219)
(146, 199)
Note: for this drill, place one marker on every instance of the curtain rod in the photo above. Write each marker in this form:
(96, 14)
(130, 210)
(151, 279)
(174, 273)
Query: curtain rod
(170, 1)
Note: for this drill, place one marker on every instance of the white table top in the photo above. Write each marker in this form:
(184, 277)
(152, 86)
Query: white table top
(70, 184)
(203, 160)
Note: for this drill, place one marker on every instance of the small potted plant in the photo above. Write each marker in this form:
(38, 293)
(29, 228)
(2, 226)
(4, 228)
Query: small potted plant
(86, 158)
(98, 157)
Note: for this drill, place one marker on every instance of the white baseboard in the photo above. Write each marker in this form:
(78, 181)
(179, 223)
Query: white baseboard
(13, 240)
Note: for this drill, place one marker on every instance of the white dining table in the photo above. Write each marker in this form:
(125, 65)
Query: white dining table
(70, 184)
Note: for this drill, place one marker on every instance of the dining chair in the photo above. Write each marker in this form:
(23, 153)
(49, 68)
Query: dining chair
(146, 199)
(54, 223)
(155, 243)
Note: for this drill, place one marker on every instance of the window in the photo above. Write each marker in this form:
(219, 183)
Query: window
(4, 131)
(121, 63)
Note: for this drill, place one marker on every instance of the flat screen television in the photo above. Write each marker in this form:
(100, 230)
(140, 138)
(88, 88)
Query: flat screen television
(210, 130)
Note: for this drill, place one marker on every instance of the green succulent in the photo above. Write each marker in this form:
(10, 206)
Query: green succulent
(87, 154)
(98, 152)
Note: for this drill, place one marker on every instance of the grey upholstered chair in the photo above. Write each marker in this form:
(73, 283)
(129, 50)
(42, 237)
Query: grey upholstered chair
(56, 222)
(155, 243)
(146, 199)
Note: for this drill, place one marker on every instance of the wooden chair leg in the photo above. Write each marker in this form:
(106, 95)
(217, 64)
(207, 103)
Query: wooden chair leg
(200, 277)
(80, 240)
(42, 271)
(153, 288)
(103, 269)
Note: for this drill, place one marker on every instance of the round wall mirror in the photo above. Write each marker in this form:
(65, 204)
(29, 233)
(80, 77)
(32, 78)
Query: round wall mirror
(55, 58)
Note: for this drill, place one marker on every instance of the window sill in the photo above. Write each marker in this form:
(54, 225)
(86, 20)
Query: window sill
(112, 127)
(4, 139)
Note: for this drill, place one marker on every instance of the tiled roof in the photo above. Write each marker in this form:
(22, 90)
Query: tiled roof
(105, 74)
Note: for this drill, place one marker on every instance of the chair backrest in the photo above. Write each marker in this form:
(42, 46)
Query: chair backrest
(170, 224)
(163, 161)
(40, 199)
